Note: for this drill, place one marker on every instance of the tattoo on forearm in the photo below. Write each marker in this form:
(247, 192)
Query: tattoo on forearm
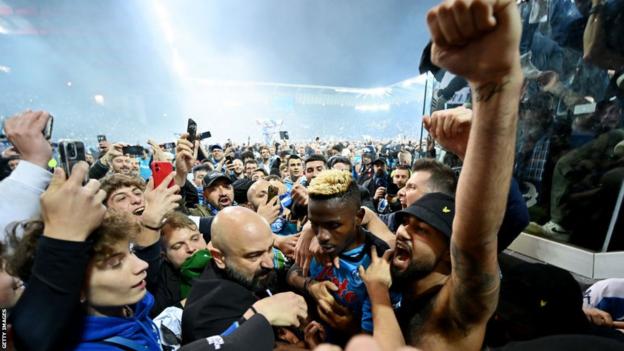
(485, 92)
(474, 294)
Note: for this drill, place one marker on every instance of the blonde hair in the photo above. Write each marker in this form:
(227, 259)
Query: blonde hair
(330, 183)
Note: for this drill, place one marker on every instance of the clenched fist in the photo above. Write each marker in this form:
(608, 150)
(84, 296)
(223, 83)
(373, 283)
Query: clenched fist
(476, 39)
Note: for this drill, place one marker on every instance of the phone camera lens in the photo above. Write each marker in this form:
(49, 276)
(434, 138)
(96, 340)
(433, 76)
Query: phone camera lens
(71, 150)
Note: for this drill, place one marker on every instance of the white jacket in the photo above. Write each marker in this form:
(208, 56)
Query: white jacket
(19, 194)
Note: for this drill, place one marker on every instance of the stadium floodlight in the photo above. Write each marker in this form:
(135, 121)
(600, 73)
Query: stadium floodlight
(99, 99)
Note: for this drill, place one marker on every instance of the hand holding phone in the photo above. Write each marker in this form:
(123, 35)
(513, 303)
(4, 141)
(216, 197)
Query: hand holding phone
(70, 153)
(160, 171)
(271, 193)
(29, 133)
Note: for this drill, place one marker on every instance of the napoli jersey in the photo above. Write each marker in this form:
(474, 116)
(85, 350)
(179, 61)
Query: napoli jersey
(351, 289)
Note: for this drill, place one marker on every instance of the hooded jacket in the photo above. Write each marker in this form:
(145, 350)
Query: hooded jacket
(138, 330)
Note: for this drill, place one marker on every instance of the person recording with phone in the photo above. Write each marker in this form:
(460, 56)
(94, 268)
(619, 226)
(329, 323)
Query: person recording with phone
(380, 179)
(388, 198)
(115, 161)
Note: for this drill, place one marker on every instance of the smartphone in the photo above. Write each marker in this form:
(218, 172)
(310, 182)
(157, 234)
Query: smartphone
(101, 138)
(228, 159)
(283, 135)
(70, 153)
(191, 130)
(272, 192)
(160, 171)
(392, 189)
(134, 150)
(168, 146)
(205, 135)
(47, 131)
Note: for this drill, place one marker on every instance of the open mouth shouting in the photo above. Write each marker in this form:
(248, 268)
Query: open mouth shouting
(402, 256)
(138, 211)
(224, 201)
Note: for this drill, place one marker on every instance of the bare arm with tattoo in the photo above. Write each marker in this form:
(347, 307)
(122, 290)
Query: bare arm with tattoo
(485, 52)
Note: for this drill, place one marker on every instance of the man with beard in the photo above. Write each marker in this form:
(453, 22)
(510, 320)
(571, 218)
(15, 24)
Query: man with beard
(366, 168)
(218, 194)
(450, 283)
(265, 159)
(335, 214)
(114, 161)
(236, 169)
(232, 287)
(380, 179)
(216, 156)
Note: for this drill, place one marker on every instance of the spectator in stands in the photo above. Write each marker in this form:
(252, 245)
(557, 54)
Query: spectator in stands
(218, 194)
(314, 165)
(250, 167)
(199, 173)
(265, 159)
(238, 170)
(295, 170)
(259, 173)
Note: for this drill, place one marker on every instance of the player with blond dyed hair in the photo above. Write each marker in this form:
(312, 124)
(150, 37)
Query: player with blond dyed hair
(335, 215)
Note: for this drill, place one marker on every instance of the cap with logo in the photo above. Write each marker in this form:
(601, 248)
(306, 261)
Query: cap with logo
(435, 209)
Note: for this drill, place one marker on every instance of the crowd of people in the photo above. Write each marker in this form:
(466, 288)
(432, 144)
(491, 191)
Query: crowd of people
(360, 245)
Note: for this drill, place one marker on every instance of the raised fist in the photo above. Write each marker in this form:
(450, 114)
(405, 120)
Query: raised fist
(476, 39)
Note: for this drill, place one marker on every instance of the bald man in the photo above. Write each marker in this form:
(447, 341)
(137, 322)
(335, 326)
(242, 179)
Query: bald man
(233, 284)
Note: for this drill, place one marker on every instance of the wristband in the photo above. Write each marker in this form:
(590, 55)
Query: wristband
(154, 228)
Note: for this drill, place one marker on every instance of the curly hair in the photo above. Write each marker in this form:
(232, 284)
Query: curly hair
(114, 228)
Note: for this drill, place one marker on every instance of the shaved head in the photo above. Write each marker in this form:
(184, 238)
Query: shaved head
(242, 246)
(236, 228)
(258, 192)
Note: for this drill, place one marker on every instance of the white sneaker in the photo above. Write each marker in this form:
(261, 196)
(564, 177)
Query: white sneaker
(528, 68)
(556, 232)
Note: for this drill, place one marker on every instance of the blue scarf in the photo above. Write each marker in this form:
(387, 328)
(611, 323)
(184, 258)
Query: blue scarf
(138, 329)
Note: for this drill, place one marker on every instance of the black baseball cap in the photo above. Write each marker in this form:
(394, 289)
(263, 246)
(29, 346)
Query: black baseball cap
(435, 209)
(213, 176)
(215, 146)
(379, 160)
